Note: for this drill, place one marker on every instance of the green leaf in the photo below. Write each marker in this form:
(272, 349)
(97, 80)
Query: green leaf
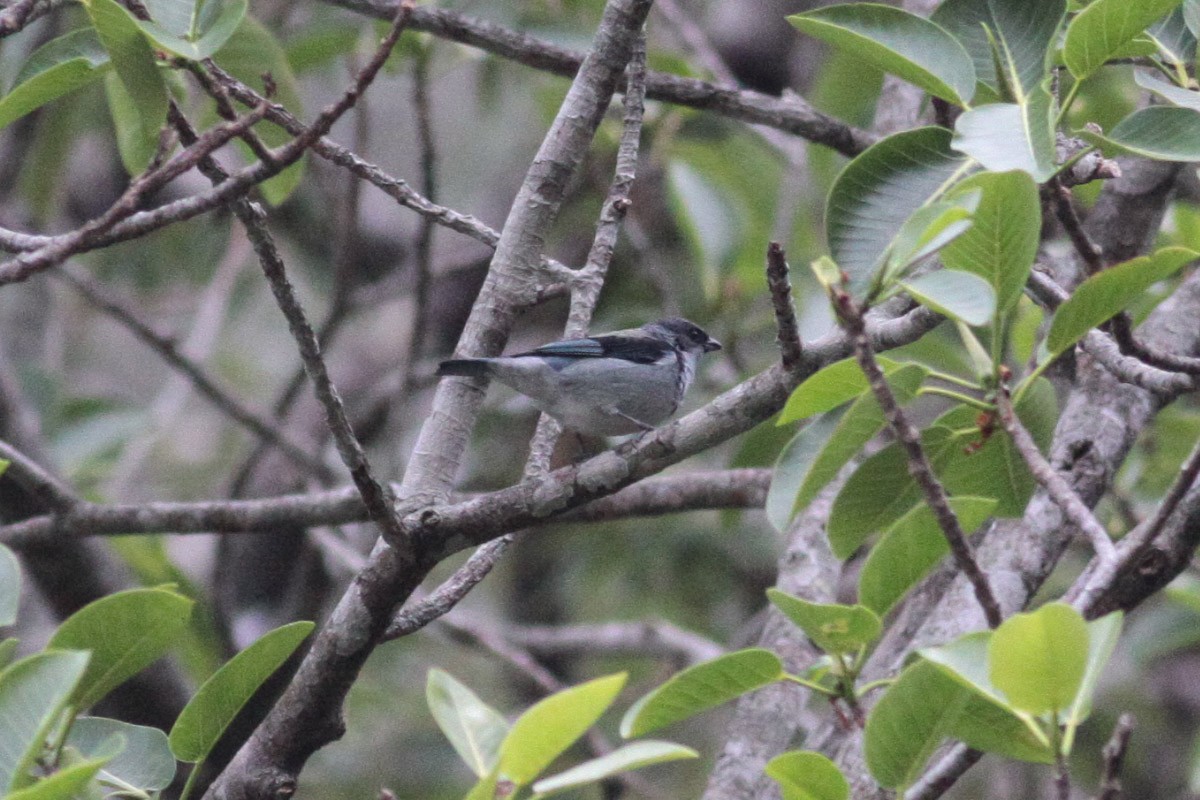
(8, 649)
(881, 491)
(10, 586)
(987, 721)
(928, 230)
(700, 688)
(1165, 133)
(54, 70)
(624, 759)
(1038, 659)
(204, 45)
(909, 722)
(991, 466)
(133, 60)
(145, 762)
(550, 726)
(1008, 136)
(1102, 640)
(959, 295)
(879, 190)
(1176, 44)
(834, 628)
(810, 468)
(222, 696)
(125, 632)
(828, 388)
(33, 691)
(1191, 16)
(910, 548)
(915, 49)
(474, 728)
(485, 788)
(65, 784)
(250, 52)
(1175, 95)
(1104, 295)
(1101, 30)
(1002, 242)
(804, 775)
(793, 467)
(969, 464)
(1027, 29)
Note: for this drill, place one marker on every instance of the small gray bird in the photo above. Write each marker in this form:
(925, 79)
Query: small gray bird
(616, 383)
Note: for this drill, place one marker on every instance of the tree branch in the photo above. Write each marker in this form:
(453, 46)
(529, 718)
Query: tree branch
(1055, 485)
(790, 114)
(919, 467)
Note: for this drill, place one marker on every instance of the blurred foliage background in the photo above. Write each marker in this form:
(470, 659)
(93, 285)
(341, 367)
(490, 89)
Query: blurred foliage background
(118, 424)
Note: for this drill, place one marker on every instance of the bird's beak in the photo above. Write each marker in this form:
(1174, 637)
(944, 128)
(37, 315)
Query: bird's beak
(711, 344)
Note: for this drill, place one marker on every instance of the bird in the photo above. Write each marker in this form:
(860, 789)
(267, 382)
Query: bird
(611, 384)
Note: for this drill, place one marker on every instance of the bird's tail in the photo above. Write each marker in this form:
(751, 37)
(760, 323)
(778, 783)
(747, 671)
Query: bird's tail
(469, 367)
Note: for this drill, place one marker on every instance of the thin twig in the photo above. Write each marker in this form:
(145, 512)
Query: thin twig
(393, 187)
(1122, 331)
(791, 350)
(851, 317)
(86, 236)
(1064, 208)
(939, 778)
(1073, 508)
(423, 252)
(205, 384)
(37, 481)
(1114, 757)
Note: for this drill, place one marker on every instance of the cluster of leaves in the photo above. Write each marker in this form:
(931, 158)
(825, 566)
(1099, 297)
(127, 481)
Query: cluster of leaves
(133, 58)
(53, 750)
(971, 197)
(513, 756)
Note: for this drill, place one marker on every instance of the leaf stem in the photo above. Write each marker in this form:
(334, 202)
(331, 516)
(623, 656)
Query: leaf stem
(965, 399)
(816, 687)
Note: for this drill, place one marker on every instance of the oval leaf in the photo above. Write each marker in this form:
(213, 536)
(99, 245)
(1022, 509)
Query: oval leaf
(146, 762)
(910, 548)
(917, 50)
(630, 757)
(125, 632)
(879, 190)
(804, 775)
(32, 693)
(549, 727)
(861, 422)
(1038, 659)
(828, 388)
(1104, 295)
(833, 628)
(702, 687)
(1104, 28)
(958, 295)
(1024, 29)
(1002, 242)
(909, 722)
(1175, 95)
(134, 63)
(222, 696)
(54, 70)
(793, 467)
(1165, 133)
(1008, 136)
(474, 728)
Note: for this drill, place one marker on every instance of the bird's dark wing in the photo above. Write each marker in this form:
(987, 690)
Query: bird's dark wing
(640, 350)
